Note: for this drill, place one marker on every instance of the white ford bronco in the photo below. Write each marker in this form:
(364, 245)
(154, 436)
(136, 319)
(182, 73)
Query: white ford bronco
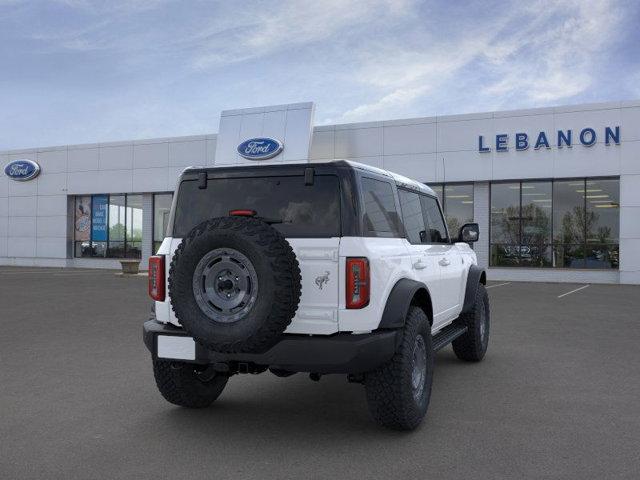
(322, 268)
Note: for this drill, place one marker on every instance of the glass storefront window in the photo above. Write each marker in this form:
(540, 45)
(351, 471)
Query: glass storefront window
(117, 219)
(603, 223)
(438, 189)
(564, 224)
(569, 223)
(134, 226)
(108, 226)
(456, 200)
(505, 224)
(161, 210)
(458, 206)
(536, 199)
(82, 226)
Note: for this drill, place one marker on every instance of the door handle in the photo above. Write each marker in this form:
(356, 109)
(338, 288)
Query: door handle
(419, 265)
(444, 262)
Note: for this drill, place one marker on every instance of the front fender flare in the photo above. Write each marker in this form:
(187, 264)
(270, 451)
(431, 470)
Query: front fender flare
(399, 301)
(475, 277)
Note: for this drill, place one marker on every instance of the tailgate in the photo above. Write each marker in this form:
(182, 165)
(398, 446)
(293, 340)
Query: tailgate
(318, 309)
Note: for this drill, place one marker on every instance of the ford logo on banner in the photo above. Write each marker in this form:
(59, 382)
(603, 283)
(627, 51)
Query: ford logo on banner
(260, 148)
(22, 170)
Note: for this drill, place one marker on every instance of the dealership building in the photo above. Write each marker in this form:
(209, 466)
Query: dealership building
(556, 191)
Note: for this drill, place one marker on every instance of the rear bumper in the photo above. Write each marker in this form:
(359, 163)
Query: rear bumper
(339, 353)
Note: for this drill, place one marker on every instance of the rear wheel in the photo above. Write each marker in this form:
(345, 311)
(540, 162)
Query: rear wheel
(186, 384)
(398, 392)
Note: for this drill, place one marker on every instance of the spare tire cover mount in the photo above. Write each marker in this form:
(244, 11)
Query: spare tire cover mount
(225, 285)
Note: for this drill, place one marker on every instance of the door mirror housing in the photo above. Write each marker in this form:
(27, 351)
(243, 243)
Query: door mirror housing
(469, 233)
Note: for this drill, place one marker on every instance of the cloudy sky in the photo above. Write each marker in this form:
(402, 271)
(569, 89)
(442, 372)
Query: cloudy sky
(80, 71)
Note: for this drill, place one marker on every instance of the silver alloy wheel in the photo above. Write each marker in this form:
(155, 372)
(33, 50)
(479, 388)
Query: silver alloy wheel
(419, 370)
(225, 285)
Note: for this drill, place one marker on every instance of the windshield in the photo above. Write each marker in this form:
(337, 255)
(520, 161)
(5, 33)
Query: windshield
(293, 208)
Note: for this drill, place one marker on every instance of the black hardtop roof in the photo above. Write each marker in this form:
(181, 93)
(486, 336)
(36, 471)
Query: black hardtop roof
(298, 169)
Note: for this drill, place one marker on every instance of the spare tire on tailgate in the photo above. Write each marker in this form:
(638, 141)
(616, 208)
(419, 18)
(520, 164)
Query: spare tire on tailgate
(234, 284)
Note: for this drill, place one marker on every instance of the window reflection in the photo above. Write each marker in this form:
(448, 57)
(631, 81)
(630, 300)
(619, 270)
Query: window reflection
(117, 217)
(134, 226)
(536, 200)
(565, 224)
(505, 224)
(161, 210)
(108, 226)
(603, 223)
(456, 200)
(458, 206)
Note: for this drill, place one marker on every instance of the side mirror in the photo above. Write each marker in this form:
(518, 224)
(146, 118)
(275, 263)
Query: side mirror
(470, 232)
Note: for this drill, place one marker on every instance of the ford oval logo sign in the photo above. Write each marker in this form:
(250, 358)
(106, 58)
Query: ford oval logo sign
(260, 148)
(22, 170)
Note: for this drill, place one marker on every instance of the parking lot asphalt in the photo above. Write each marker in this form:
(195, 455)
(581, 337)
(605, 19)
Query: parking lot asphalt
(558, 396)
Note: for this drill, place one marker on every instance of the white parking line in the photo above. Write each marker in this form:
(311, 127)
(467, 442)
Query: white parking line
(573, 291)
(56, 273)
(497, 285)
(70, 274)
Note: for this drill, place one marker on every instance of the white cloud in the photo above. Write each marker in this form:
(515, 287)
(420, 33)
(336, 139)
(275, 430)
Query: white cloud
(255, 33)
(554, 63)
(543, 52)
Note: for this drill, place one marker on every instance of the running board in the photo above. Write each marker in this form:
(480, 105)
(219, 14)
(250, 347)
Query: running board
(447, 335)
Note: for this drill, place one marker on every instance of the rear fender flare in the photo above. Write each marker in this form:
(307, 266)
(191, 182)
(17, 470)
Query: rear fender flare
(401, 298)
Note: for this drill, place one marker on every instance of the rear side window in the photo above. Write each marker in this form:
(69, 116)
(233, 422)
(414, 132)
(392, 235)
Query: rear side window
(380, 214)
(412, 216)
(296, 209)
(437, 232)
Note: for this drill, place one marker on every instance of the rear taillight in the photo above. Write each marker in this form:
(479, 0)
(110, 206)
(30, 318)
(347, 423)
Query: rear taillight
(242, 213)
(358, 282)
(156, 278)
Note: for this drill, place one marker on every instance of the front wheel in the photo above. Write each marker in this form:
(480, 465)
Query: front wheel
(186, 384)
(398, 392)
(472, 346)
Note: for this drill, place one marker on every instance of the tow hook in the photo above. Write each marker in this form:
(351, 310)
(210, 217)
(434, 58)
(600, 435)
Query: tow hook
(207, 374)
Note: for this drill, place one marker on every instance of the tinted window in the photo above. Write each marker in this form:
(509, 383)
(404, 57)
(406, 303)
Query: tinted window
(380, 215)
(412, 216)
(298, 210)
(437, 233)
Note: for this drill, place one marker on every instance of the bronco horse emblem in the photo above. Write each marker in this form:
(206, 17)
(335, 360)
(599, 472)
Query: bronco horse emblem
(322, 279)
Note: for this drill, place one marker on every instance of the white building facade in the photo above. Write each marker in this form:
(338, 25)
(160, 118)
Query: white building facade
(556, 191)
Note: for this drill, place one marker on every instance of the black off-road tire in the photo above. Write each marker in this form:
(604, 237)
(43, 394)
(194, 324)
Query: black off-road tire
(472, 346)
(389, 390)
(278, 280)
(180, 384)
